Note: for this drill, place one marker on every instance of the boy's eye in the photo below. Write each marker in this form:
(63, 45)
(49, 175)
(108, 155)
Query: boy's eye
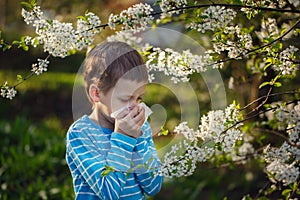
(140, 99)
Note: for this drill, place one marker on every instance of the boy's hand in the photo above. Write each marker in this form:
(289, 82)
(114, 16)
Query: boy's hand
(130, 122)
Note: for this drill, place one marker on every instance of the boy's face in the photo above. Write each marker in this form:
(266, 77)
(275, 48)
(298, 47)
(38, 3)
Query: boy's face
(126, 93)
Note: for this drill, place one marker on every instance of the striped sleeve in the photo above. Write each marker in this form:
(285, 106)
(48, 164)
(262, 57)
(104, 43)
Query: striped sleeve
(91, 162)
(145, 153)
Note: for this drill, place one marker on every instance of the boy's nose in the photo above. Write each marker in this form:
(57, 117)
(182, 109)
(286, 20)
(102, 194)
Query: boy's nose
(133, 103)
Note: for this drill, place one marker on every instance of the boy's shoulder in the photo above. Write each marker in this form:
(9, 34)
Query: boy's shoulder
(80, 122)
(83, 124)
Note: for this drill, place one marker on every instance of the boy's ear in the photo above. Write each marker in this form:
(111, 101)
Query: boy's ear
(94, 93)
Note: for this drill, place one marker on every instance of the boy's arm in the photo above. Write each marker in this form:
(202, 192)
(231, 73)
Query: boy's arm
(145, 153)
(91, 163)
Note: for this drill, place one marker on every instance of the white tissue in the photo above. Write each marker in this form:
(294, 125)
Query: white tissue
(148, 111)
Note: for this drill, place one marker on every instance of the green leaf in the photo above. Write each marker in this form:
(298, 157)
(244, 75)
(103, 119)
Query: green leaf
(50, 22)
(219, 147)
(286, 193)
(264, 84)
(33, 2)
(294, 186)
(189, 29)
(267, 65)
(163, 132)
(27, 6)
(16, 42)
(277, 84)
(24, 47)
(166, 20)
(81, 17)
(19, 77)
(107, 170)
(157, 2)
(249, 15)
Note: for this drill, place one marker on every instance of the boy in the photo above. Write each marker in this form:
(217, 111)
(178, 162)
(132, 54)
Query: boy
(113, 158)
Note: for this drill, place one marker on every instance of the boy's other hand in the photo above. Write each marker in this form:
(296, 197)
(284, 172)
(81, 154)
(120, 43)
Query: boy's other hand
(130, 122)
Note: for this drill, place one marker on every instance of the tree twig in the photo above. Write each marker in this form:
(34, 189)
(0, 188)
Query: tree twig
(271, 95)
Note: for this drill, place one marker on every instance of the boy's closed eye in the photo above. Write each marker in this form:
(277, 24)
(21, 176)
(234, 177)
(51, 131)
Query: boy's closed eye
(139, 99)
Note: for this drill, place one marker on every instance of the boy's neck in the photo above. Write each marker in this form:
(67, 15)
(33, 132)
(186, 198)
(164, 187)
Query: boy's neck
(101, 119)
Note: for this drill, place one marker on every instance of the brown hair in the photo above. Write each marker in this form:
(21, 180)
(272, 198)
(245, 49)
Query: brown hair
(108, 62)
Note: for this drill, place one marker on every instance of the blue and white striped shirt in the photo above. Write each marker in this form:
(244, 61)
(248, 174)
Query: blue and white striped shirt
(91, 149)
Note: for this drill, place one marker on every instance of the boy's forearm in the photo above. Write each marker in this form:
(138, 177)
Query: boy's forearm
(150, 182)
(120, 154)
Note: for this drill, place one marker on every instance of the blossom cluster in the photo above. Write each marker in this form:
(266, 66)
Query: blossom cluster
(218, 131)
(213, 18)
(40, 67)
(286, 65)
(213, 125)
(87, 28)
(57, 37)
(8, 92)
(269, 29)
(283, 163)
(264, 3)
(134, 18)
(178, 65)
(168, 7)
(234, 41)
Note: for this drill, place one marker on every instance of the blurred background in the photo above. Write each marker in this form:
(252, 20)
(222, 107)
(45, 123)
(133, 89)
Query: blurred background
(34, 124)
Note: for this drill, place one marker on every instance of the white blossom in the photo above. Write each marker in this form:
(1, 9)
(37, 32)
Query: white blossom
(285, 173)
(283, 162)
(40, 67)
(182, 158)
(286, 66)
(86, 29)
(235, 44)
(57, 37)
(188, 133)
(11, 93)
(261, 3)
(178, 65)
(167, 5)
(269, 29)
(8, 92)
(135, 18)
(213, 18)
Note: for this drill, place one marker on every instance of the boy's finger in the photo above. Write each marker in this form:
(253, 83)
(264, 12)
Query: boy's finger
(122, 114)
(140, 117)
(134, 112)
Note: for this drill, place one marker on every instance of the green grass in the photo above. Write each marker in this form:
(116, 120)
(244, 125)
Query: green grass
(32, 161)
(47, 80)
